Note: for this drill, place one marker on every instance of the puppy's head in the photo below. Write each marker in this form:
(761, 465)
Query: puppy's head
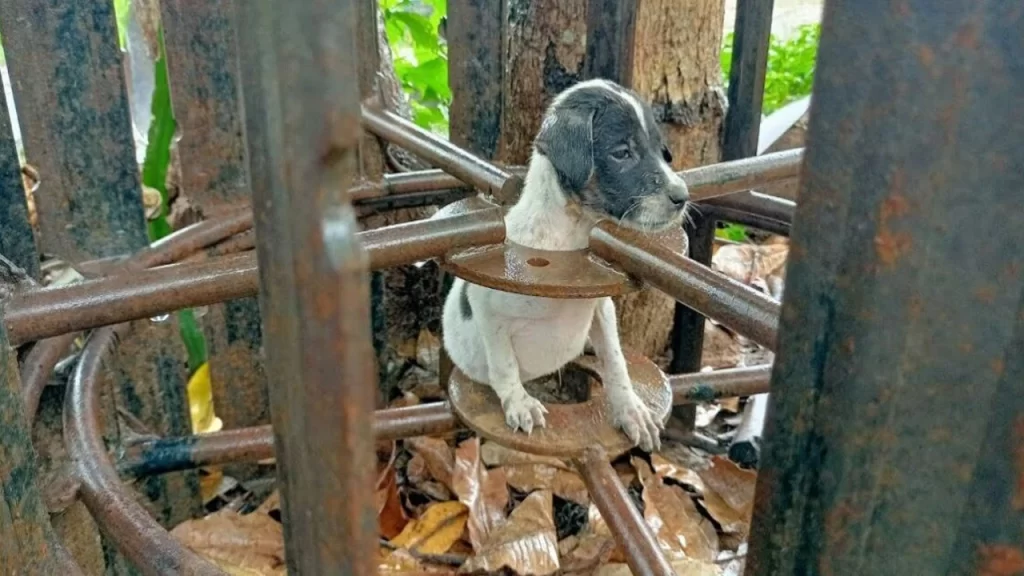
(609, 155)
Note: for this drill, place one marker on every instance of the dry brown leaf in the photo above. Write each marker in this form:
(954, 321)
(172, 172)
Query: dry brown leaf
(407, 348)
(436, 455)
(239, 544)
(720, 349)
(681, 530)
(436, 530)
(483, 491)
(728, 518)
(667, 469)
(494, 454)
(583, 554)
(596, 531)
(526, 542)
(730, 404)
(734, 484)
(391, 515)
(749, 263)
(531, 477)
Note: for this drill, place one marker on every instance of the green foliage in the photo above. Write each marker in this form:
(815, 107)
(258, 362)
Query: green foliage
(122, 13)
(791, 63)
(421, 57)
(154, 174)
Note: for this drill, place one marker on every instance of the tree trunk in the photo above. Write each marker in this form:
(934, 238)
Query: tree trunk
(675, 67)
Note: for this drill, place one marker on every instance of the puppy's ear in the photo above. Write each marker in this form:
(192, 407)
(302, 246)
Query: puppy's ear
(567, 140)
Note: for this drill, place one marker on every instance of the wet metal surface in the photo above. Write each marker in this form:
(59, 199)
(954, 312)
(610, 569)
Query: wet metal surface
(893, 444)
(303, 129)
(442, 153)
(706, 182)
(643, 553)
(727, 383)
(735, 305)
(571, 428)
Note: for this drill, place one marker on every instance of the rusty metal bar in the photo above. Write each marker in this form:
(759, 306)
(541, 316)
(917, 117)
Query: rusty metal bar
(734, 176)
(135, 533)
(303, 129)
(894, 438)
(627, 525)
(749, 204)
(28, 544)
(714, 295)
(105, 301)
(257, 443)
(405, 183)
(729, 383)
(442, 153)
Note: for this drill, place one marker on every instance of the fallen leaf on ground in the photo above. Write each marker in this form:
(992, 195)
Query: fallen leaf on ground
(483, 491)
(668, 469)
(720, 349)
(751, 264)
(734, 484)
(239, 544)
(436, 530)
(391, 515)
(681, 530)
(436, 455)
(564, 483)
(595, 533)
(401, 562)
(526, 542)
(494, 454)
(584, 553)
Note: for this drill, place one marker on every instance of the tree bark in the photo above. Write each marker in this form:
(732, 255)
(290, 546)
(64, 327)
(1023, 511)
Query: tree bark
(675, 67)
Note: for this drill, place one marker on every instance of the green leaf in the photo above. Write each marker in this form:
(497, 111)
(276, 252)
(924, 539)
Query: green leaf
(192, 336)
(423, 33)
(122, 12)
(430, 76)
(734, 232)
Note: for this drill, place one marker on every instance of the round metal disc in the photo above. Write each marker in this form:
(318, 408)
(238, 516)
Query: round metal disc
(570, 427)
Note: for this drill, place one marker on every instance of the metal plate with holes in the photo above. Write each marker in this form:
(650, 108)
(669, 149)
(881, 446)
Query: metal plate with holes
(570, 427)
(511, 267)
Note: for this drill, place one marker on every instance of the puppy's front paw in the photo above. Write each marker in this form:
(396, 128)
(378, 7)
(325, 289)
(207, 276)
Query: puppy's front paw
(635, 419)
(523, 412)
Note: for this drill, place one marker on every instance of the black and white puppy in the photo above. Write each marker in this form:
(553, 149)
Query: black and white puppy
(599, 155)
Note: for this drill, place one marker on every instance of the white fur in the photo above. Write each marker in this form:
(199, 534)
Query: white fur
(512, 338)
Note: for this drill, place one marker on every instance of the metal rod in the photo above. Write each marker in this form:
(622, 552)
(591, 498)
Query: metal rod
(643, 554)
(105, 301)
(754, 204)
(442, 153)
(734, 176)
(135, 533)
(257, 443)
(729, 383)
(714, 295)
(404, 183)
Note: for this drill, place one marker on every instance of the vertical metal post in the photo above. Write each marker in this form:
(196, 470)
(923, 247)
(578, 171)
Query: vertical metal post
(68, 83)
(202, 62)
(894, 437)
(27, 541)
(17, 241)
(742, 124)
(475, 71)
(302, 123)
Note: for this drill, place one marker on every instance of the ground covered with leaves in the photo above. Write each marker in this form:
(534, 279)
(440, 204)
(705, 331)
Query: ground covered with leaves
(462, 505)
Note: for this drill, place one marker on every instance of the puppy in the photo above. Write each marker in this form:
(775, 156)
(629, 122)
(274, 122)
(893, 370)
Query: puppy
(599, 155)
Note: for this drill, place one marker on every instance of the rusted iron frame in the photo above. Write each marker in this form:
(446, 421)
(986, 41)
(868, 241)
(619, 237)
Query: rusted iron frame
(454, 160)
(106, 301)
(436, 418)
(712, 294)
(643, 553)
(894, 440)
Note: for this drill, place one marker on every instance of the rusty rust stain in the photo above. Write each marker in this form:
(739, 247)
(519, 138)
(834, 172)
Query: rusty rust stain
(986, 294)
(926, 56)
(1000, 560)
(967, 36)
(891, 247)
(998, 366)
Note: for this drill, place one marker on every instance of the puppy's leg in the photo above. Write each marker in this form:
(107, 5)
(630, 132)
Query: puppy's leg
(628, 411)
(522, 411)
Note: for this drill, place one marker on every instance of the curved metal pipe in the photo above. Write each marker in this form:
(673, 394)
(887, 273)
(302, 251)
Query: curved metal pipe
(137, 535)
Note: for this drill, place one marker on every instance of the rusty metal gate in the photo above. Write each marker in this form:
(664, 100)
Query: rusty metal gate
(895, 443)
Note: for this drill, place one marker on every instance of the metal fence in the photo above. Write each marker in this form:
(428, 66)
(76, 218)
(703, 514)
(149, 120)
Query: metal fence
(895, 437)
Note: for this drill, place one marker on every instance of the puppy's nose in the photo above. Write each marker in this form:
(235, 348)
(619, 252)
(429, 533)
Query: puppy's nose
(678, 193)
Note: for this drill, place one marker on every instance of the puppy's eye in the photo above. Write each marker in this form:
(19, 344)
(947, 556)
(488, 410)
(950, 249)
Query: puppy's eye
(666, 155)
(620, 153)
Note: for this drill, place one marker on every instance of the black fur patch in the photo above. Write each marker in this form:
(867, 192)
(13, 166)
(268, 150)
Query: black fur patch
(604, 155)
(464, 308)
